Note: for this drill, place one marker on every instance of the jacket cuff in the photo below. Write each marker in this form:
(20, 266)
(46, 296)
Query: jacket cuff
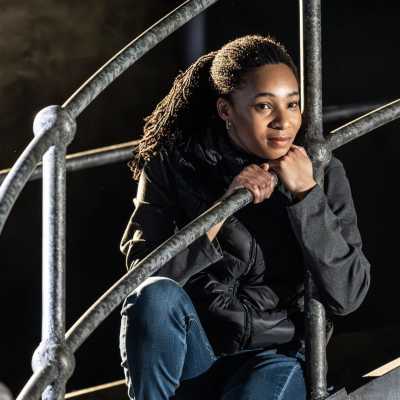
(312, 199)
(314, 224)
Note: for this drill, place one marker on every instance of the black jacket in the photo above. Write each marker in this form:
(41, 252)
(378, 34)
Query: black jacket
(247, 284)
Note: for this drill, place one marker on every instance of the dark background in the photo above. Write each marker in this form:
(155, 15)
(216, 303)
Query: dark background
(48, 48)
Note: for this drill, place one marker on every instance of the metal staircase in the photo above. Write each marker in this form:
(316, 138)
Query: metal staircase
(54, 129)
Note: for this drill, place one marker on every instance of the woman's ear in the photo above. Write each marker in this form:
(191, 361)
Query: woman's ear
(223, 108)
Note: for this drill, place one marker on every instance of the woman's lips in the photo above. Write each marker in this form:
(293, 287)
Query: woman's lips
(278, 142)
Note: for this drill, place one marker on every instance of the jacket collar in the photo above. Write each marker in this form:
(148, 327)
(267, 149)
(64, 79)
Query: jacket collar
(213, 155)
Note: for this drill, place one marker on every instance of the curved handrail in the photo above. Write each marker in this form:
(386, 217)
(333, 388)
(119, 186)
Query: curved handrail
(23, 168)
(364, 124)
(55, 126)
(37, 383)
(103, 307)
(88, 322)
(123, 151)
(112, 69)
(343, 112)
(88, 159)
(133, 52)
(52, 135)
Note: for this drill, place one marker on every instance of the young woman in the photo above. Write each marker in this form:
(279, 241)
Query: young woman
(224, 318)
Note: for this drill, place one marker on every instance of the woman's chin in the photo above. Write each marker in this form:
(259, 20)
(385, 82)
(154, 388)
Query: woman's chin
(275, 154)
(270, 153)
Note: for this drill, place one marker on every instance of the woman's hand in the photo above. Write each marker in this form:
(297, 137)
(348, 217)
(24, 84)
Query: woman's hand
(295, 170)
(258, 179)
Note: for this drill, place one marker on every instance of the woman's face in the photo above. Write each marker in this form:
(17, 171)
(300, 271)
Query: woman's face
(264, 112)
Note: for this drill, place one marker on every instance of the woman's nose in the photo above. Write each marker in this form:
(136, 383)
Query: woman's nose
(280, 121)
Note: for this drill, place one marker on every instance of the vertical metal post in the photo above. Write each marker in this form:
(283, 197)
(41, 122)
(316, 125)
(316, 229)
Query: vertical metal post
(311, 83)
(311, 66)
(53, 295)
(52, 349)
(53, 322)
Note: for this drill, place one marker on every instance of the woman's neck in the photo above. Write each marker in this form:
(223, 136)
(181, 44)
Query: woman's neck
(235, 142)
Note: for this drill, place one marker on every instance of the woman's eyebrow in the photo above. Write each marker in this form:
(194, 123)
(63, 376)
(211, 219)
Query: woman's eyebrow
(269, 94)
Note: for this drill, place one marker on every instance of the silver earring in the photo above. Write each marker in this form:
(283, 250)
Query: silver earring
(228, 125)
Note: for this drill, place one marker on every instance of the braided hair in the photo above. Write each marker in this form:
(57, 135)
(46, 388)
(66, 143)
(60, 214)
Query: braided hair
(190, 105)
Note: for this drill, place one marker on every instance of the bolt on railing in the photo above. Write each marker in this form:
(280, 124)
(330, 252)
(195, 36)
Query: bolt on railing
(54, 128)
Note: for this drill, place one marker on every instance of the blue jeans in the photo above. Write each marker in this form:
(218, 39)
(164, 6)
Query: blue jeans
(166, 354)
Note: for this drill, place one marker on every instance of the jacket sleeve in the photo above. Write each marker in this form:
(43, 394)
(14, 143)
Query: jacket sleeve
(154, 220)
(326, 228)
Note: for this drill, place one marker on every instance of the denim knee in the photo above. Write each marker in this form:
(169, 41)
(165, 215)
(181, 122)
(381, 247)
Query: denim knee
(267, 375)
(154, 297)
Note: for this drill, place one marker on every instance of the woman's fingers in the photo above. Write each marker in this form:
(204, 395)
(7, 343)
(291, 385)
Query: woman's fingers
(261, 185)
(258, 179)
(302, 149)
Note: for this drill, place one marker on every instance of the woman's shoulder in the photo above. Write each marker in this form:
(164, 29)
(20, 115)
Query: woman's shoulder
(155, 179)
(336, 184)
(334, 163)
(157, 164)
(335, 170)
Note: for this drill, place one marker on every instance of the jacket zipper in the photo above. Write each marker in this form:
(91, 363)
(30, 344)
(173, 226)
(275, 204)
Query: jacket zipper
(247, 312)
(251, 257)
(247, 325)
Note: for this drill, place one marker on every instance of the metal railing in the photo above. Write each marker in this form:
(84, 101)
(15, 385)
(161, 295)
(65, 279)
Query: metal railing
(123, 151)
(87, 159)
(54, 129)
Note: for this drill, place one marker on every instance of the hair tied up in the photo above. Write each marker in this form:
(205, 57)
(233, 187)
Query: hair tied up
(189, 107)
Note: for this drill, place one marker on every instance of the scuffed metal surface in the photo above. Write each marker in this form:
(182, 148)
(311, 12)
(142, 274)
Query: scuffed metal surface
(61, 360)
(57, 355)
(37, 383)
(54, 195)
(53, 236)
(27, 161)
(310, 12)
(20, 173)
(315, 319)
(335, 113)
(89, 159)
(55, 118)
(133, 52)
(364, 124)
(53, 348)
(315, 325)
(52, 354)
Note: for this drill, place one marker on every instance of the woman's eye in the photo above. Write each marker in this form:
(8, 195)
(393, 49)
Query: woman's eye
(263, 106)
(294, 104)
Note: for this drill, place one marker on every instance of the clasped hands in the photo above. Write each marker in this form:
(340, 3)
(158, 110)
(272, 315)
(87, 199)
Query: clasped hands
(294, 170)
